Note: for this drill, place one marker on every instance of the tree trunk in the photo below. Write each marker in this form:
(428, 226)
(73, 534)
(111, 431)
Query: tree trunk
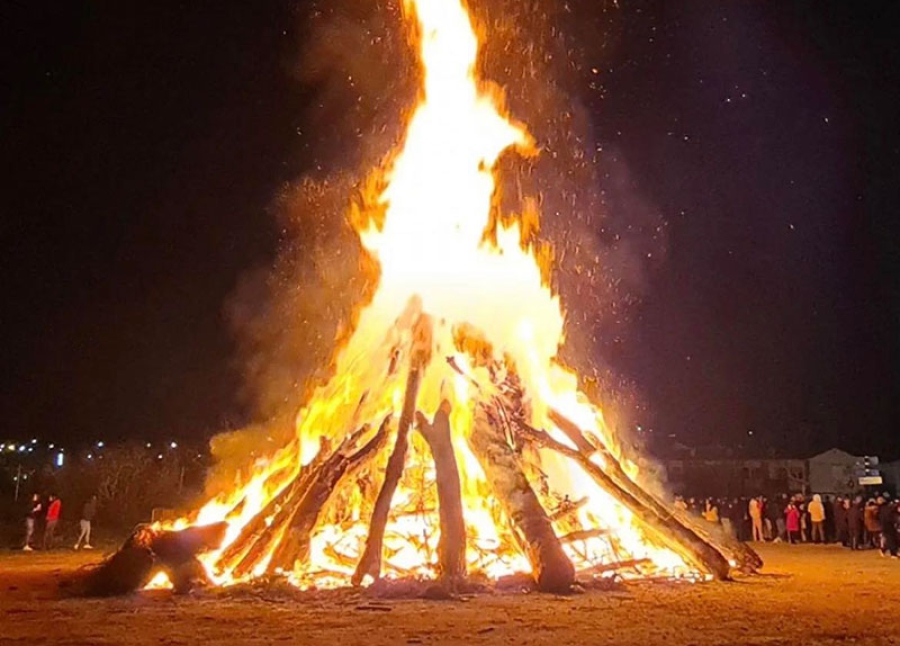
(452, 544)
(553, 571)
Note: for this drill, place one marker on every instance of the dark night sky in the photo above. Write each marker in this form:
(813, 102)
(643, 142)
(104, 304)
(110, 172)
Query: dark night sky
(143, 144)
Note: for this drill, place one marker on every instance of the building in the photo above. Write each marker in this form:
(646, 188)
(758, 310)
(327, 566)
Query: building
(735, 477)
(835, 471)
(714, 471)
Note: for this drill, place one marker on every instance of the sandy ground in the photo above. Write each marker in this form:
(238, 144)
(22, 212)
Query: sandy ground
(806, 595)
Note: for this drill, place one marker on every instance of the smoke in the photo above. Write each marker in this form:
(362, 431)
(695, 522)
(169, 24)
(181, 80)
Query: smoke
(361, 73)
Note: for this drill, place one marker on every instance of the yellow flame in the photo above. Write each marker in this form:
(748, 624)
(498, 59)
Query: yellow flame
(435, 257)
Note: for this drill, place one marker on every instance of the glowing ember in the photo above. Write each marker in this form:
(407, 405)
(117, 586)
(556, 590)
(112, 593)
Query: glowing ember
(469, 317)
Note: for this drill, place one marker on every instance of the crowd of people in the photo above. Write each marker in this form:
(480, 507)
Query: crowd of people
(855, 522)
(46, 514)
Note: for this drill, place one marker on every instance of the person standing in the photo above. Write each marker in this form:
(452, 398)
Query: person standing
(792, 522)
(873, 527)
(34, 510)
(87, 515)
(841, 521)
(755, 510)
(817, 519)
(53, 509)
(887, 518)
(855, 523)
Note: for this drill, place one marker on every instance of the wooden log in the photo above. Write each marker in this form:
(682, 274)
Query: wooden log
(612, 567)
(370, 561)
(294, 544)
(553, 571)
(452, 542)
(664, 528)
(256, 536)
(582, 535)
(733, 550)
(741, 555)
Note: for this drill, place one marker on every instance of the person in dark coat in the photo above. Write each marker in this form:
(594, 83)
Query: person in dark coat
(855, 523)
(887, 518)
(840, 512)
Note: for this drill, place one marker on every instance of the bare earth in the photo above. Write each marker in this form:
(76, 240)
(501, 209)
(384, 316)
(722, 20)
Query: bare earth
(807, 595)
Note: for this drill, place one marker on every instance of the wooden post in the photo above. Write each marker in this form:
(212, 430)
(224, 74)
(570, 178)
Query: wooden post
(452, 543)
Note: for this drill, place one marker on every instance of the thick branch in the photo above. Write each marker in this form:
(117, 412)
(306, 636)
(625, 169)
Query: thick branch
(452, 543)
(294, 544)
(370, 562)
(553, 570)
(663, 526)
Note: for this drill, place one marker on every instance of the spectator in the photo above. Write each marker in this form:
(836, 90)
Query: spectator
(841, 521)
(87, 515)
(780, 505)
(774, 512)
(792, 522)
(889, 517)
(53, 509)
(754, 508)
(855, 524)
(870, 520)
(34, 509)
(711, 511)
(817, 519)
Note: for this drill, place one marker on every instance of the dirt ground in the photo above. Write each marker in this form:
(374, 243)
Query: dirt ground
(806, 595)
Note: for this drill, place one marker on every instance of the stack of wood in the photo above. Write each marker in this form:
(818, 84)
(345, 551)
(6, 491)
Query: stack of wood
(277, 539)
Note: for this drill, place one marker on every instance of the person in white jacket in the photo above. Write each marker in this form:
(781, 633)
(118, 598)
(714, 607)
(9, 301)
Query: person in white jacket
(817, 518)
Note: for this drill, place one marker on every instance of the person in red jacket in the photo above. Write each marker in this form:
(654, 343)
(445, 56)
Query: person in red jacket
(53, 510)
(792, 522)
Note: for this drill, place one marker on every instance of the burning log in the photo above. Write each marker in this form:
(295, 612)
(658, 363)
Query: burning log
(739, 553)
(732, 549)
(258, 532)
(370, 561)
(294, 545)
(582, 535)
(666, 528)
(553, 570)
(147, 549)
(452, 543)
(602, 568)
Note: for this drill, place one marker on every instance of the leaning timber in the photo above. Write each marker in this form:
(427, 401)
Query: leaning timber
(665, 528)
(737, 552)
(294, 544)
(553, 571)
(452, 543)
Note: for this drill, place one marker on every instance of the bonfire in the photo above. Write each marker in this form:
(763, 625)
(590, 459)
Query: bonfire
(450, 444)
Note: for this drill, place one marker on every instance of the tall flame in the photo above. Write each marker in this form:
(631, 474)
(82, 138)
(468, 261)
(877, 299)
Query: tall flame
(436, 258)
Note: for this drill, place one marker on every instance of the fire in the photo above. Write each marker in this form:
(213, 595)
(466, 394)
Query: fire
(487, 308)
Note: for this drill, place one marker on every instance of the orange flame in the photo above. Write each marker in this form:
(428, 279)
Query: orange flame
(436, 258)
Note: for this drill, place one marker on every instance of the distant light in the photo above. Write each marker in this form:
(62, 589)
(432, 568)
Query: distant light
(25, 476)
(11, 447)
(174, 445)
(60, 458)
(22, 448)
(90, 456)
(100, 444)
(159, 457)
(51, 446)
(34, 441)
(148, 445)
